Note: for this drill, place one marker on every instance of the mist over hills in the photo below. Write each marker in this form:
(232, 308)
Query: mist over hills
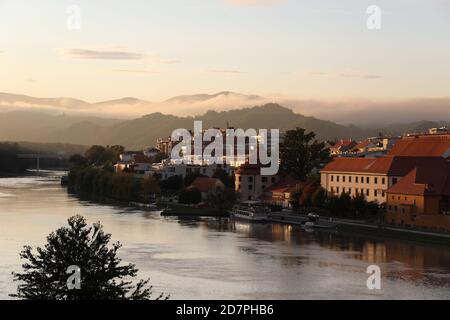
(143, 131)
(364, 113)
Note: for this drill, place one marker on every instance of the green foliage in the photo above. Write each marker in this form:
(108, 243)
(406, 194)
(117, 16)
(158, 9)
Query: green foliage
(174, 183)
(300, 153)
(103, 276)
(77, 160)
(190, 196)
(118, 186)
(99, 155)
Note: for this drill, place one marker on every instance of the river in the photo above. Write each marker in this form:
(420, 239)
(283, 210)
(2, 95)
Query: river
(222, 259)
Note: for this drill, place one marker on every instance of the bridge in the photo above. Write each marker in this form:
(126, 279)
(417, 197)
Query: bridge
(38, 157)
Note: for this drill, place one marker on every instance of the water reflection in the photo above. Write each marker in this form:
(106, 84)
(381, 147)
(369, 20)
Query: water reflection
(223, 258)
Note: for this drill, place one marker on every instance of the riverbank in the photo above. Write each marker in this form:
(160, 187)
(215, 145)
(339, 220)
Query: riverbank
(364, 228)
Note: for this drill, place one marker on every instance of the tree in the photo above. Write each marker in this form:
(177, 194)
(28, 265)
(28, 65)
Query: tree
(150, 186)
(173, 183)
(77, 160)
(300, 153)
(83, 248)
(190, 177)
(190, 196)
(223, 176)
(318, 197)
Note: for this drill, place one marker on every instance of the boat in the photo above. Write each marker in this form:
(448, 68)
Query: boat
(143, 205)
(313, 223)
(250, 210)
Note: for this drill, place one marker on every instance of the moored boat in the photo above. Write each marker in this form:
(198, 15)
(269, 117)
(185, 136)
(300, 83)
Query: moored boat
(251, 211)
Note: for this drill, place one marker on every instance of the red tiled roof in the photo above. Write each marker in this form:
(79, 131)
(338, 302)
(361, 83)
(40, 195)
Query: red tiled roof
(204, 184)
(345, 144)
(431, 145)
(249, 169)
(392, 166)
(284, 185)
(425, 180)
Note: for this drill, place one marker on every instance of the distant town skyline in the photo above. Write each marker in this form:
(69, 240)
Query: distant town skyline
(154, 50)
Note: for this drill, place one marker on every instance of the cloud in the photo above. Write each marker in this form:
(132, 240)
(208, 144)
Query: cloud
(89, 54)
(134, 71)
(225, 71)
(361, 76)
(255, 2)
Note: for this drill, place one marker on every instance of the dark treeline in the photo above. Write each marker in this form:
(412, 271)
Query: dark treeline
(102, 182)
(311, 196)
(9, 161)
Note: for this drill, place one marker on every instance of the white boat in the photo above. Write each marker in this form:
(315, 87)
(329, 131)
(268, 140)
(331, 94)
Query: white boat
(251, 211)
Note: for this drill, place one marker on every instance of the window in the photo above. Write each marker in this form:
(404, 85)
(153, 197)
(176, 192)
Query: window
(337, 178)
(357, 179)
(343, 178)
(240, 178)
(367, 192)
(250, 187)
(367, 180)
(376, 180)
(337, 190)
(383, 181)
(383, 194)
(376, 193)
(264, 179)
(332, 178)
(350, 190)
(350, 179)
(250, 179)
(332, 190)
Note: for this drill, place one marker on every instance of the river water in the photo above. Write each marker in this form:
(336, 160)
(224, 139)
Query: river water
(221, 259)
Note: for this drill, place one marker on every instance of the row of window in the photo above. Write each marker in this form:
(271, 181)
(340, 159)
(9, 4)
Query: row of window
(358, 179)
(357, 191)
(263, 179)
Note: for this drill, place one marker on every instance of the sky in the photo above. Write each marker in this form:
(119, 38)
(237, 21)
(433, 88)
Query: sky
(154, 50)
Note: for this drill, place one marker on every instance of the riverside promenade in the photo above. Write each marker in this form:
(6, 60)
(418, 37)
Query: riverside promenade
(290, 217)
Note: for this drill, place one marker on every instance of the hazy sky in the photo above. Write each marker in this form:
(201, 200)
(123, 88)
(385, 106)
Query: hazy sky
(155, 49)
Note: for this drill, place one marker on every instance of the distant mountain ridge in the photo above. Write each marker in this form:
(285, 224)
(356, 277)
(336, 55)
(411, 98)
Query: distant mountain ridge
(144, 131)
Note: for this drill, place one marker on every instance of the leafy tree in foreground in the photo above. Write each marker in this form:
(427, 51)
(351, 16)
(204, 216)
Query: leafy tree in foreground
(102, 277)
(300, 153)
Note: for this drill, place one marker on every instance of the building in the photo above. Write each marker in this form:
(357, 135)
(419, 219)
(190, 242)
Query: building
(423, 145)
(370, 177)
(167, 169)
(280, 193)
(151, 152)
(250, 184)
(128, 156)
(342, 147)
(165, 145)
(422, 198)
(208, 186)
(441, 130)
